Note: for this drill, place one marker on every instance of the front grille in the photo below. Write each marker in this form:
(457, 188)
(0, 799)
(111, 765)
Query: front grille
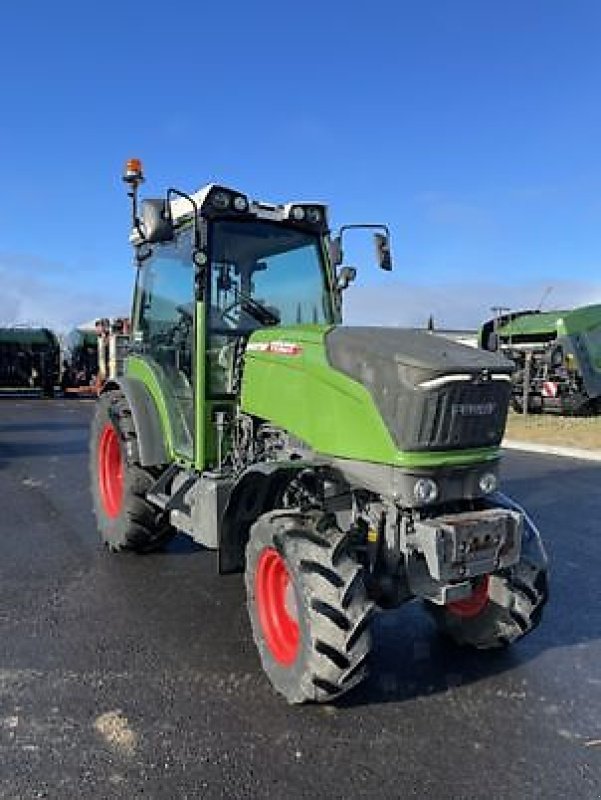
(451, 417)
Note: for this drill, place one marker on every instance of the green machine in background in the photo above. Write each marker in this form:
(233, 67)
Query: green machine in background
(343, 469)
(563, 349)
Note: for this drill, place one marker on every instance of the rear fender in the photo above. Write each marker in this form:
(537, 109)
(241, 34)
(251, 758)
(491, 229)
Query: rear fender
(146, 420)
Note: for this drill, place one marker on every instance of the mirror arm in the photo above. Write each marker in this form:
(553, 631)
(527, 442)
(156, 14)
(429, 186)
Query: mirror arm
(199, 256)
(194, 205)
(345, 277)
(365, 226)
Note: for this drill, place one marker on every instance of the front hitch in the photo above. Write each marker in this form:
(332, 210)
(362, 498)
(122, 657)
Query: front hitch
(446, 553)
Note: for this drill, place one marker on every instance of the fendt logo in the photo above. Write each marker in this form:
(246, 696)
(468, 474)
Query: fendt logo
(276, 348)
(474, 409)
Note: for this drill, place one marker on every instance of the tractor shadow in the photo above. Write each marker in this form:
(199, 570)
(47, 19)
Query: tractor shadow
(410, 659)
(181, 545)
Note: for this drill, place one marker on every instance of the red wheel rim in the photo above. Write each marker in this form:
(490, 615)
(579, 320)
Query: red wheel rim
(110, 471)
(474, 604)
(276, 605)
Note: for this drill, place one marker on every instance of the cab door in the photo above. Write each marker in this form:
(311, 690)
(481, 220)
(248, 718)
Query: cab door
(164, 336)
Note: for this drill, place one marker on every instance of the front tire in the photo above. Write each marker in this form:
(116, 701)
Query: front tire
(126, 519)
(307, 605)
(503, 607)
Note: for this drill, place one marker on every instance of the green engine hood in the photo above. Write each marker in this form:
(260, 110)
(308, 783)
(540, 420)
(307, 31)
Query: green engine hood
(297, 378)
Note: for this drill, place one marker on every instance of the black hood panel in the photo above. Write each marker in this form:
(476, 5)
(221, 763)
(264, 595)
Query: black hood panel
(396, 366)
(425, 352)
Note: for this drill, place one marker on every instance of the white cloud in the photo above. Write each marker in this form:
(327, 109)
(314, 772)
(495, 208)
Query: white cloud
(457, 305)
(442, 208)
(38, 292)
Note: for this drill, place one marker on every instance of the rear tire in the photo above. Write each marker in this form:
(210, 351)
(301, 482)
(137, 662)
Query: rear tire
(503, 608)
(307, 605)
(126, 520)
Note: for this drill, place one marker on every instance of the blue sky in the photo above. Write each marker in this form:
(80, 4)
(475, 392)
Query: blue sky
(473, 128)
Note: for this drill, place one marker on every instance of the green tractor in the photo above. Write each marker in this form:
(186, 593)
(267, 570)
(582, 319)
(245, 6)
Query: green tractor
(343, 469)
(557, 355)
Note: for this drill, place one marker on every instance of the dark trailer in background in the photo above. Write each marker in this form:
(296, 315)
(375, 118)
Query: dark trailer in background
(29, 359)
(559, 351)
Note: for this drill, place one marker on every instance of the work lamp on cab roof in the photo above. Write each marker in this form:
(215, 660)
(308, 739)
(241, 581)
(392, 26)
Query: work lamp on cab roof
(240, 203)
(221, 200)
(313, 215)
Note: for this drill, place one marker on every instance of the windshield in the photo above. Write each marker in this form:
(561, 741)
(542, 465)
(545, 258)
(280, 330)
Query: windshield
(266, 274)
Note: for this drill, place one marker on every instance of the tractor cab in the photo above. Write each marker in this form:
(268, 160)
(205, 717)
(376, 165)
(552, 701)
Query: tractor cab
(214, 267)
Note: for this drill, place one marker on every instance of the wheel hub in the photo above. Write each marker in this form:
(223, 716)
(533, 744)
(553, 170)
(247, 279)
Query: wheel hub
(277, 607)
(110, 471)
(474, 604)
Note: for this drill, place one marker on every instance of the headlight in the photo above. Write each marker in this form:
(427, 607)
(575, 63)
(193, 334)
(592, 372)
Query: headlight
(313, 215)
(240, 203)
(488, 482)
(298, 213)
(425, 490)
(220, 200)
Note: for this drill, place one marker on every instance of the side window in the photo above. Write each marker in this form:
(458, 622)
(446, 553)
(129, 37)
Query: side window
(164, 330)
(165, 304)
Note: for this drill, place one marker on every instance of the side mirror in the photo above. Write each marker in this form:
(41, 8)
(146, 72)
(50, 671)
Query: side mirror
(383, 255)
(157, 224)
(346, 276)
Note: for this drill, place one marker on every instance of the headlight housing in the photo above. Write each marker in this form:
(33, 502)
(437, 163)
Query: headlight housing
(488, 482)
(425, 490)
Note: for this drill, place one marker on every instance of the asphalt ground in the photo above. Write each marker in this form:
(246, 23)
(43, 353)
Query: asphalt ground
(135, 676)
